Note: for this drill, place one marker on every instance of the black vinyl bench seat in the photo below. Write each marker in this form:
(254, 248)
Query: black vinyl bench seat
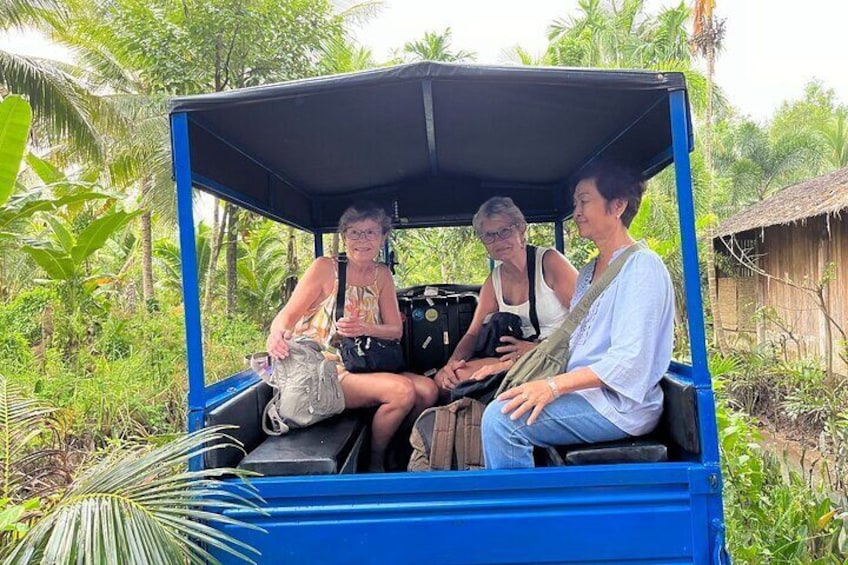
(326, 448)
(676, 436)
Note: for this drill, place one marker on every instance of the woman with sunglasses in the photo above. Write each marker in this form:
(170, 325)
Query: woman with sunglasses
(371, 309)
(502, 229)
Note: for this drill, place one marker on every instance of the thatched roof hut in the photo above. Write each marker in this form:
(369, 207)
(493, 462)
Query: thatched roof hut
(773, 255)
(827, 194)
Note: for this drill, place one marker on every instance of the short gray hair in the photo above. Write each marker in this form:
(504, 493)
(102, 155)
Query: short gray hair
(498, 206)
(365, 211)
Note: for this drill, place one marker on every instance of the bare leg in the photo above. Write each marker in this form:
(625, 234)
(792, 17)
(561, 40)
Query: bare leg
(426, 393)
(394, 394)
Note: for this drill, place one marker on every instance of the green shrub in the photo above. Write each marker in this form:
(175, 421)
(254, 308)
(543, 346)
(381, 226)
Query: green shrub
(771, 518)
(24, 314)
(230, 339)
(15, 353)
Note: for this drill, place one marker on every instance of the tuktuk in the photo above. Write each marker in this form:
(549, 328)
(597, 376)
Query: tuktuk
(431, 142)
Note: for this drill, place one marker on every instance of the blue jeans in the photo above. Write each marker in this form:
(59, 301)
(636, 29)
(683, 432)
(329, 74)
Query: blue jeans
(569, 420)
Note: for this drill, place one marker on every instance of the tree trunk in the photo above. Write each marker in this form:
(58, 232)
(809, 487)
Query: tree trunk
(231, 256)
(146, 244)
(218, 228)
(290, 281)
(712, 286)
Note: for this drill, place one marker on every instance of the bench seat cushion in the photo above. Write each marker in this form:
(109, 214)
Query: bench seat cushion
(626, 451)
(326, 448)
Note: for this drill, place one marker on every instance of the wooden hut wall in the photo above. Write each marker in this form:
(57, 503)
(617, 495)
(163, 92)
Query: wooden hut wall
(801, 252)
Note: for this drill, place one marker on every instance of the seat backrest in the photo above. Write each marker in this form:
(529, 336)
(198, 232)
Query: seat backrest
(679, 422)
(245, 411)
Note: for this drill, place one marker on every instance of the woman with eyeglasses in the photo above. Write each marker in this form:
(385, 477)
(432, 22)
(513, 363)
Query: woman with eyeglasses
(502, 229)
(371, 309)
(609, 388)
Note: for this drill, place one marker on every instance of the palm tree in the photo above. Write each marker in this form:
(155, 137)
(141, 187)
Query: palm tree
(835, 135)
(760, 164)
(707, 35)
(436, 46)
(136, 505)
(63, 106)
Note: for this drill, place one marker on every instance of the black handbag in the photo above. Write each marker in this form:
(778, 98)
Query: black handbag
(365, 354)
(500, 324)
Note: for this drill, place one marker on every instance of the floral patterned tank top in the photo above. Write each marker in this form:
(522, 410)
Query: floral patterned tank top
(320, 324)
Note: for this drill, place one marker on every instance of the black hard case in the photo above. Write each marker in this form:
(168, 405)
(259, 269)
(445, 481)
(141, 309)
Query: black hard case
(433, 325)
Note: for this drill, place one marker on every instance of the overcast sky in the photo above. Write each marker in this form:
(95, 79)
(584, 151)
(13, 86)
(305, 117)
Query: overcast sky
(770, 50)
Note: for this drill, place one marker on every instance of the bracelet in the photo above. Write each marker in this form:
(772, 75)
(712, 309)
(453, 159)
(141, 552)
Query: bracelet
(554, 388)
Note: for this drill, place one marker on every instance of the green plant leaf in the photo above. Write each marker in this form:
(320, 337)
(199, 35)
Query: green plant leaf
(59, 266)
(46, 171)
(140, 506)
(63, 236)
(15, 118)
(21, 420)
(97, 233)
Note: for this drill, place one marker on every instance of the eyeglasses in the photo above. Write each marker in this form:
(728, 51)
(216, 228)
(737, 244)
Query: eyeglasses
(370, 235)
(491, 236)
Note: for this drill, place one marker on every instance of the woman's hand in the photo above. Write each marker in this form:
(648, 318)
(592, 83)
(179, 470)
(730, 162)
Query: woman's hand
(534, 396)
(276, 344)
(490, 369)
(351, 326)
(447, 378)
(513, 348)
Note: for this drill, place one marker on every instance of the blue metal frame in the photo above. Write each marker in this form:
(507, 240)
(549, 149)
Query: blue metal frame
(188, 258)
(688, 239)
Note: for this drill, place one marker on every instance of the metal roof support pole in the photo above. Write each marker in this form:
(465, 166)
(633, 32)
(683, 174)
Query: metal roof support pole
(686, 212)
(692, 280)
(559, 235)
(318, 243)
(188, 257)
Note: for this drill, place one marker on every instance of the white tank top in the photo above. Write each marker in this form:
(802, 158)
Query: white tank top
(549, 309)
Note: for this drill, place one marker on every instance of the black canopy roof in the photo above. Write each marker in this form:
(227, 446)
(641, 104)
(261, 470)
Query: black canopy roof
(430, 141)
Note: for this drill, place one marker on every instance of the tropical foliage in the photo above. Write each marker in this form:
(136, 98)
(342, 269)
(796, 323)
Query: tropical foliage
(90, 266)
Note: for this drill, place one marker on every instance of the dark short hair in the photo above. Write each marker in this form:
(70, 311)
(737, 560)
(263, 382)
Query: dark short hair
(365, 211)
(615, 180)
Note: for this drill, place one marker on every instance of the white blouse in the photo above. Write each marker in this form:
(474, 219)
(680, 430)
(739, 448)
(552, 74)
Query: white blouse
(627, 339)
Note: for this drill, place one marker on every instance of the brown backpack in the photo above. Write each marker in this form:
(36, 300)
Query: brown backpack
(448, 437)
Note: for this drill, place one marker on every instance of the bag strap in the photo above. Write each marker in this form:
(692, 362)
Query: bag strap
(444, 438)
(559, 340)
(472, 437)
(342, 286)
(531, 278)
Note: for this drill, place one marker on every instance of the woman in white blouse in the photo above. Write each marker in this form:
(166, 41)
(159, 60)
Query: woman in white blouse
(501, 227)
(609, 389)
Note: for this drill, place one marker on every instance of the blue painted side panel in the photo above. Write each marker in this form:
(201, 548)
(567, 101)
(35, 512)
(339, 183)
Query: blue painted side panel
(643, 513)
(223, 390)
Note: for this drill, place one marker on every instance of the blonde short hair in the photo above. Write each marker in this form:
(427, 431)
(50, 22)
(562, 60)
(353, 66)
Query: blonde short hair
(498, 206)
(365, 211)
